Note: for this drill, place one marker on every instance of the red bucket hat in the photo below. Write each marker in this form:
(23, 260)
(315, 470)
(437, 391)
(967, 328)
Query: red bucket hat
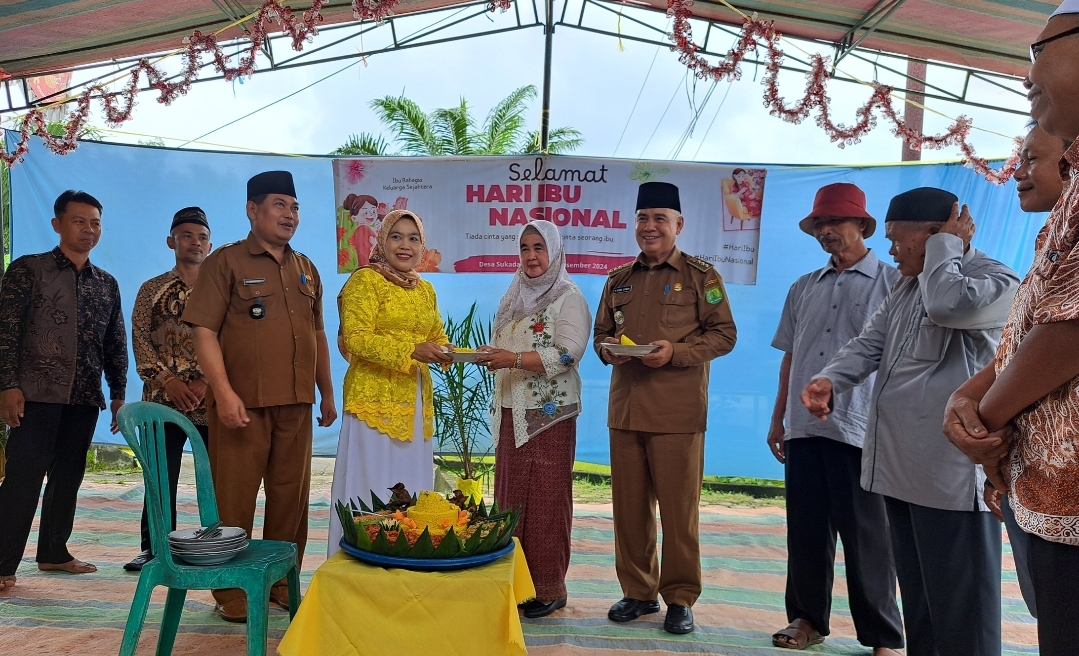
(841, 199)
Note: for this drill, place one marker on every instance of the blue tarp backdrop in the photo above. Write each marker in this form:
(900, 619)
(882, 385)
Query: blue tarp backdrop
(141, 187)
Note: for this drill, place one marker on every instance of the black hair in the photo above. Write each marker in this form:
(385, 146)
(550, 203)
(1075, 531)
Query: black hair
(257, 200)
(72, 196)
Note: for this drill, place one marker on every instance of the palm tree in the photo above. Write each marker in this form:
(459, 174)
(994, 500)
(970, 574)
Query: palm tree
(453, 130)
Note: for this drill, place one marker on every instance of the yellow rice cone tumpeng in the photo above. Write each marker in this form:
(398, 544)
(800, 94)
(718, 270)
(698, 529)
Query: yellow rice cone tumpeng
(625, 341)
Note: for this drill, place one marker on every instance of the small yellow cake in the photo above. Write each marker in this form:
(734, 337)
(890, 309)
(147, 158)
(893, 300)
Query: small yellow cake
(625, 341)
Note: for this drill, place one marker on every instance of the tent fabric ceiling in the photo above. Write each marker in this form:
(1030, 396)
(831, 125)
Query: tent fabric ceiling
(39, 36)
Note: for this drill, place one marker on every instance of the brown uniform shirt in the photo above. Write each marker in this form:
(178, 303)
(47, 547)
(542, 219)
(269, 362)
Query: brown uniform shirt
(684, 302)
(270, 360)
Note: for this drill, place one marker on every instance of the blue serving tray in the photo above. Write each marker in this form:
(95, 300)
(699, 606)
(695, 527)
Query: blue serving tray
(425, 564)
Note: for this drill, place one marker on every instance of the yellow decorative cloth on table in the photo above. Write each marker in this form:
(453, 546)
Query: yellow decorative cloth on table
(352, 608)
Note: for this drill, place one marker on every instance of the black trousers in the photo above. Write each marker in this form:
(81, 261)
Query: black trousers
(825, 498)
(52, 440)
(1054, 570)
(949, 575)
(175, 439)
(1020, 543)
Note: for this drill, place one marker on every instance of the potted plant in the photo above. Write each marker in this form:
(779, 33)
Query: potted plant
(462, 396)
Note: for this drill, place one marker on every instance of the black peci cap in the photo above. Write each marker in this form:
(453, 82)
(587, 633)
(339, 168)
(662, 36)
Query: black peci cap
(922, 204)
(271, 182)
(658, 195)
(190, 215)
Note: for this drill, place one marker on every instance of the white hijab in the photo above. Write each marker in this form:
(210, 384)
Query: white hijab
(526, 296)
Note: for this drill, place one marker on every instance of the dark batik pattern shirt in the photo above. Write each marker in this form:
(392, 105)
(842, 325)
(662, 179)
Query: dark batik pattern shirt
(100, 336)
(163, 345)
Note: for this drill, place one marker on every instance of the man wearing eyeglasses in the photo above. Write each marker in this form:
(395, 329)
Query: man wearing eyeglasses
(1033, 384)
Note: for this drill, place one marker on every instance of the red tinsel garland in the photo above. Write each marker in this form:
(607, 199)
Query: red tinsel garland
(757, 33)
(118, 105)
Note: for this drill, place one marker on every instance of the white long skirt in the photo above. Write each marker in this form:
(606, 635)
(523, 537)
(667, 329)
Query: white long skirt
(368, 459)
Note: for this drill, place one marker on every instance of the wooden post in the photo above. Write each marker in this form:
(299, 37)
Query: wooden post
(913, 115)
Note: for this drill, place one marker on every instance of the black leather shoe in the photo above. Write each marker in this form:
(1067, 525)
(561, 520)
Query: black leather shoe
(628, 609)
(138, 561)
(537, 608)
(679, 619)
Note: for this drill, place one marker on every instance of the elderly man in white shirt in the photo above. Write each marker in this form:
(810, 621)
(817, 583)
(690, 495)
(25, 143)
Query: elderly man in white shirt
(940, 324)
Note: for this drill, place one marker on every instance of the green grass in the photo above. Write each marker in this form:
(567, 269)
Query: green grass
(585, 491)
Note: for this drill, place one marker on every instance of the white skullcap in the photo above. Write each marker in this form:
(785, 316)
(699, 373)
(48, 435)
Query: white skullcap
(1067, 7)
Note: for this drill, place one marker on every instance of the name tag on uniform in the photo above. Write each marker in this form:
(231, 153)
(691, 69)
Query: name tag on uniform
(623, 288)
(254, 281)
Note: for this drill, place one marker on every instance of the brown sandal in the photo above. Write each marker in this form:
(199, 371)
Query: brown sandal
(799, 634)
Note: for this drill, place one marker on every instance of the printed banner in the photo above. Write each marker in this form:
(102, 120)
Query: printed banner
(472, 209)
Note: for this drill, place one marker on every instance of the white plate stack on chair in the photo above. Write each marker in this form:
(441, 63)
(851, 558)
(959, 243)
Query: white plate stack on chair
(211, 545)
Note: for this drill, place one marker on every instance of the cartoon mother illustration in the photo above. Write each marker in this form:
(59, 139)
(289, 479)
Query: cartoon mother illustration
(746, 191)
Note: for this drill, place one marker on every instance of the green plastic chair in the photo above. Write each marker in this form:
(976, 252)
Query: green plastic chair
(254, 570)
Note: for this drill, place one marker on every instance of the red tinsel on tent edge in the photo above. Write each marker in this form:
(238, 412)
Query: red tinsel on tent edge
(118, 105)
(761, 34)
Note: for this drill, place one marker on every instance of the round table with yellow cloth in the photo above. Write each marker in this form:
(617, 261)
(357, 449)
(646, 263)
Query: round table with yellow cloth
(352, 608)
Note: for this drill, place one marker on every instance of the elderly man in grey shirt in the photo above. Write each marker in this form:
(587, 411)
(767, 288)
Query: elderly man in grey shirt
(939, 326)
(822, 459)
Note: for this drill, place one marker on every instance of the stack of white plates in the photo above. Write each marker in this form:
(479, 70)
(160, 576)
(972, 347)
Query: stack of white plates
(214, 549)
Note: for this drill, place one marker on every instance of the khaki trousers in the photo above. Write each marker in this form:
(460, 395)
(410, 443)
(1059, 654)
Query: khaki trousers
(275, 448)
(668, 468)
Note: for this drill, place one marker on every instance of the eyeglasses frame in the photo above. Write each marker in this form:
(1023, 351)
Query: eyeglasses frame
(1037, 47)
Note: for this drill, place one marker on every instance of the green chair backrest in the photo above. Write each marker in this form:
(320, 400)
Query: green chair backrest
(143, 426)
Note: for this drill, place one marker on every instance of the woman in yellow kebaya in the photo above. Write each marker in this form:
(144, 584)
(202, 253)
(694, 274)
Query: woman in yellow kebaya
(392, 330)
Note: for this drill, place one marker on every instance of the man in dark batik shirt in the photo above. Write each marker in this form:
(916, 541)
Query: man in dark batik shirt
(165, 352)
(60, 327)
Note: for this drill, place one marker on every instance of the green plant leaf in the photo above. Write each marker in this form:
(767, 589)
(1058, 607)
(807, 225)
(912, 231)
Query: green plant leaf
(401, 547)
(363, 540)
(363, 144)
(488, 543)
(449, 547)
(507, 530)
(348, 526)
(381, 544)
(376, 503)
(363, 506)
(472, 544)
(482, 509)
(423, 548)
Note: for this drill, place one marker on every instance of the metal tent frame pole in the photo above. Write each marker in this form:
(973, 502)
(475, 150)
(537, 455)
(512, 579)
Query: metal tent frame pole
(548, 42)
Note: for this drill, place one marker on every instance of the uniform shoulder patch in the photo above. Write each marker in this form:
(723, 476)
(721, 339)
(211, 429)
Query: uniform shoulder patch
(231, 243)
(620, 268)
(698, 263)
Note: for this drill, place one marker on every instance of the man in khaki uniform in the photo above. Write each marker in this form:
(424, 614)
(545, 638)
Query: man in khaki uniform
(658, 407)
(256, 309)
